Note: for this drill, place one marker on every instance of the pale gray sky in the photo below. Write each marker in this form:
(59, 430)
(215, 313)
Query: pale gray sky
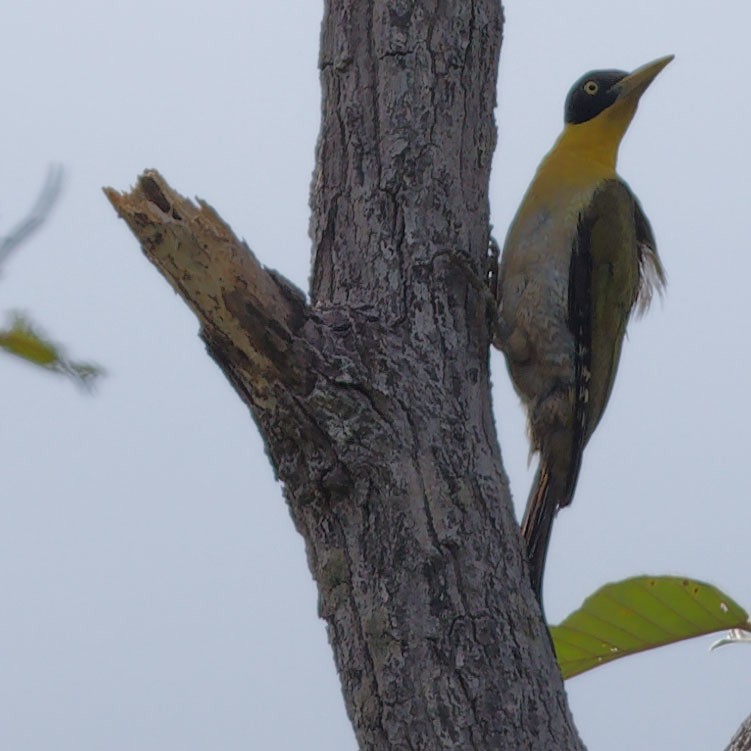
(154, 593)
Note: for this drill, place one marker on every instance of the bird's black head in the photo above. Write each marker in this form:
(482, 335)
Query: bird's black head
(591, 94)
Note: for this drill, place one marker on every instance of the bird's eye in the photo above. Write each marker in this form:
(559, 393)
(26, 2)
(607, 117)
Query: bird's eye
(591, 87)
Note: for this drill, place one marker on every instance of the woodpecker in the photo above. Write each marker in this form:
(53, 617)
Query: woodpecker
(579, 258)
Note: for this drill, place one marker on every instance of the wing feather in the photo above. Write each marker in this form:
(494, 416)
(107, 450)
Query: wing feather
(580, 326)
(651, 272)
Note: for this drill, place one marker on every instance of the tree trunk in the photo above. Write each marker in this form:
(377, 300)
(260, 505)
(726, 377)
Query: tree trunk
(374, 397)
(742, 739)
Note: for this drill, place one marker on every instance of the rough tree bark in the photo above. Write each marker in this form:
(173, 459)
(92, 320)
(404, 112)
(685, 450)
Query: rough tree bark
(373, 397)
(742, 739)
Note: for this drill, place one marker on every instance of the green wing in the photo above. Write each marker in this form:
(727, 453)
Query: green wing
(612, 248)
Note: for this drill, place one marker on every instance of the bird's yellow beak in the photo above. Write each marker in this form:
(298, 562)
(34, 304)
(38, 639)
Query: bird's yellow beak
(636, 83)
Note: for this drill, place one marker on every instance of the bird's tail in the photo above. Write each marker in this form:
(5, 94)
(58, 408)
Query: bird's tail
(553, 488)
(537, 524)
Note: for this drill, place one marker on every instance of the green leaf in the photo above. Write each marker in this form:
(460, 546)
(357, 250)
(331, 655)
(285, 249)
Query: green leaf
(645, 612)
(23, 340)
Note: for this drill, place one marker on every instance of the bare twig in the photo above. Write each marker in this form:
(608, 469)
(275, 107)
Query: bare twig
(38, 214)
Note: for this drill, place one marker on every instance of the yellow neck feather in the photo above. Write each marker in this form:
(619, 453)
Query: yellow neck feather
(597, 140)
(583, 156)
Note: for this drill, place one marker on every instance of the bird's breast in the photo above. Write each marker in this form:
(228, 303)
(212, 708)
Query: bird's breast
(536, 260)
